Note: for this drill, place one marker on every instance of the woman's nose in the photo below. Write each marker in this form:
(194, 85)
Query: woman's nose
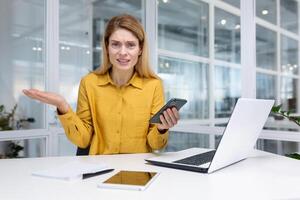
(123, 50)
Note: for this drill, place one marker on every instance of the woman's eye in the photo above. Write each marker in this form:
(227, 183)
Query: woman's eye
(115, 45)
(131, 45)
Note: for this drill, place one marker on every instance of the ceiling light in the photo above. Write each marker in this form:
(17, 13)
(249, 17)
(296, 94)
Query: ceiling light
(223, 21)
(165, 1)
(87, 52)
(237, 26)
(203, 17)
(15, 35)
(264, 12)
(34, 49)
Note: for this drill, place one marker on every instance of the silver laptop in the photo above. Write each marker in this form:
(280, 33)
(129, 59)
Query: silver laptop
(238, 140)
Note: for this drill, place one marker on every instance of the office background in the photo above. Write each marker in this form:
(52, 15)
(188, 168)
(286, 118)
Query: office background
(210, 52)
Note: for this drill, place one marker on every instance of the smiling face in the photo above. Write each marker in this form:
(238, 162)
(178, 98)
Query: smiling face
(123, 50)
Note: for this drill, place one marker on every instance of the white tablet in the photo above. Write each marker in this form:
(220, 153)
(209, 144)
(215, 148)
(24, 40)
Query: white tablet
(130, 180)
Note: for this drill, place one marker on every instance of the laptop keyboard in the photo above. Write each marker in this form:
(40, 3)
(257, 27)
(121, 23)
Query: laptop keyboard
(197, 159)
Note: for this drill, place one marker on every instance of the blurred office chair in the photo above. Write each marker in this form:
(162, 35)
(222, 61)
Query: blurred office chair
(82, 151)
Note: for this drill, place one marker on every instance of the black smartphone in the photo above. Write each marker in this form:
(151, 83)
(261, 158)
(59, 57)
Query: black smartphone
(174, 102)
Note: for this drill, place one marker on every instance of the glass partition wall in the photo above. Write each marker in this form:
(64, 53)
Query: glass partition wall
(198, 58)
(187, 49)
(206, 41)
(277, 53)
(22, 57)
(22, 64)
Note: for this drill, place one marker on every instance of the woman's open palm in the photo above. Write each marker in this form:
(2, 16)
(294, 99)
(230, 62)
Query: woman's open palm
(48, 98)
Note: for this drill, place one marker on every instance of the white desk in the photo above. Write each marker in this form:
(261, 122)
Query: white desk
(265, 176)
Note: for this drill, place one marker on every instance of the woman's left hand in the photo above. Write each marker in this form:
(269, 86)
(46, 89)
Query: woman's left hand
(169, 119)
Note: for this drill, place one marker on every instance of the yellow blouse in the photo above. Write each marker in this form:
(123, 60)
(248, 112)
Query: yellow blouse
(115, 119)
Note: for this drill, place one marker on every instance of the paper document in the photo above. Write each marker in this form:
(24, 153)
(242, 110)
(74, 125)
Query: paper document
(70, 171)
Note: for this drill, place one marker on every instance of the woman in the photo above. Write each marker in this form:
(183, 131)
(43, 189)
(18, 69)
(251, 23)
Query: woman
(116, 101)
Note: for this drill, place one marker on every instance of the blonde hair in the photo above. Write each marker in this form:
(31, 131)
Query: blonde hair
(131, 24)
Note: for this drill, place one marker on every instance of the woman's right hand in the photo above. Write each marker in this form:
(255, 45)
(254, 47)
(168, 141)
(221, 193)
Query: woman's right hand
(49, 98)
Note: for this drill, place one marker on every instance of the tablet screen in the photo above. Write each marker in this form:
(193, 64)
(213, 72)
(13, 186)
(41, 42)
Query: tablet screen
(137, 178)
